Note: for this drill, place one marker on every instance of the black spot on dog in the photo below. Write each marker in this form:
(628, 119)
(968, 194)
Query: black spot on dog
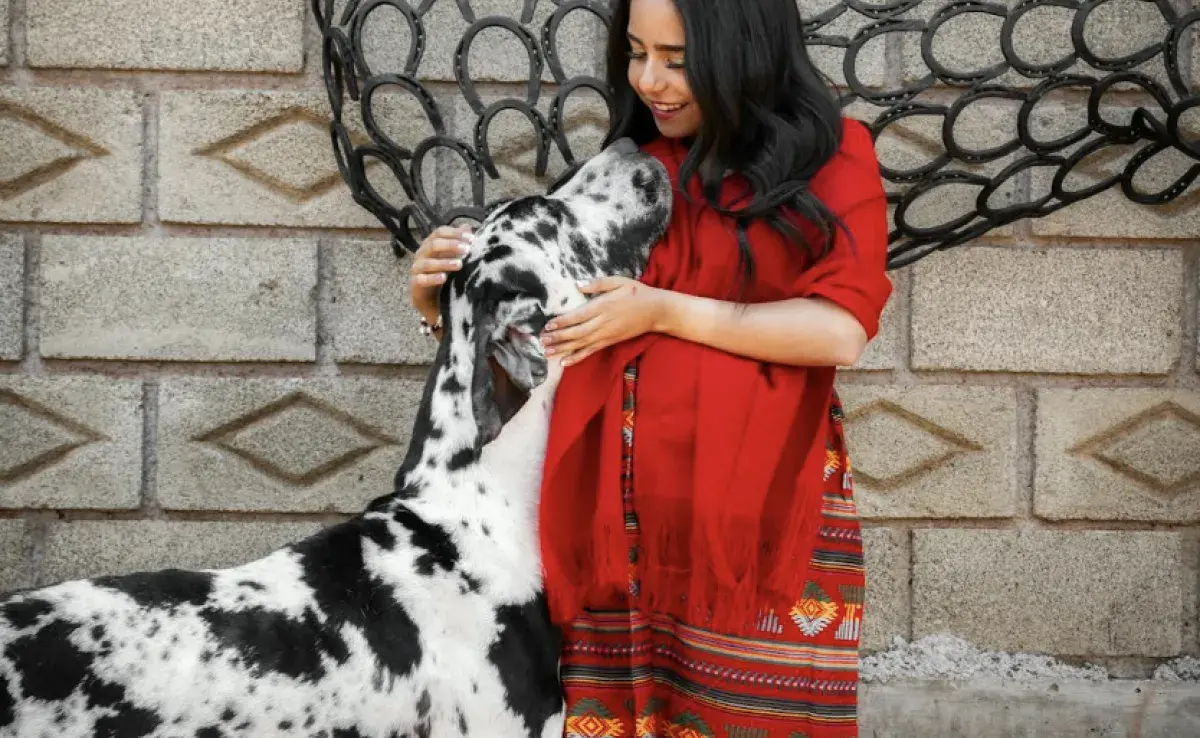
(529, 237)
(98, 632)
(124, 718)
(524, 208)
(165, 589)
(333, 566)
(25, 613)
(285, 724)
(525, 654)
(547, 230)
(486, 530)
(103, 695)
(228, 715)
(599, 197)
(346, 733)
(645, 186)
(8, 708)
(583, 252)
(252, 585)
(49, 664)
(434, 540)
(461, 459)
(378, 531)
(626, 250)
(523, 282)
(497, 253)
(493, 241)
(462, 720)
(211, 731)
(424, 703)
(452, 385)
(271, 642)
(129, 722)
(473, 584)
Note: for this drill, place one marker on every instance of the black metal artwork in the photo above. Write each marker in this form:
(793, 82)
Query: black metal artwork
(1137, 106)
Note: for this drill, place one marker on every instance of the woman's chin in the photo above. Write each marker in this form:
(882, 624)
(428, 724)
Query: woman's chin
(674, 128)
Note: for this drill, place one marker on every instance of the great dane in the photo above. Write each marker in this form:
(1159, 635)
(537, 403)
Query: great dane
(421, 617)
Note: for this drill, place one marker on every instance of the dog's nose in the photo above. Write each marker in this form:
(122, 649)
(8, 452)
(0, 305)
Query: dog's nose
(623, 145)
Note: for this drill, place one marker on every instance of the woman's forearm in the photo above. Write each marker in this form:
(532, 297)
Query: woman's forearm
(801, 331)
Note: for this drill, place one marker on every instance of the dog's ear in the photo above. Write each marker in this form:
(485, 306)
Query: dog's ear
(483, 387)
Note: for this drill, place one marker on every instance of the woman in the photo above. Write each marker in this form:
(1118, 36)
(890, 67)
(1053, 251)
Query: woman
(708, 575)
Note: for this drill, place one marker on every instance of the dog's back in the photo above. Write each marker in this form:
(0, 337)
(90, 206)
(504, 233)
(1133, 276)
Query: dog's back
(389, 624)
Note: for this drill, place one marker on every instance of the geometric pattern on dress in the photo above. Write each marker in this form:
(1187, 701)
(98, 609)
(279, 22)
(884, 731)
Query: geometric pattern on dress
(833, 462)
(689, 725)
(768, 622)
(647, 722)
(852, 600)
(591, 719)
(814, 611)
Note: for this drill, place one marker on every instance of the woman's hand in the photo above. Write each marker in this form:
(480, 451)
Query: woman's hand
(440, 252)
(622, 309)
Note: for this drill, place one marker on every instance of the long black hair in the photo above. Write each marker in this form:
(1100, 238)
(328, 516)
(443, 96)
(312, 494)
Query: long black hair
(766, 111)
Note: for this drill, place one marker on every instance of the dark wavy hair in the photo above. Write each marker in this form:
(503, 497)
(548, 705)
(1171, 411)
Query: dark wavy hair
(767, 112)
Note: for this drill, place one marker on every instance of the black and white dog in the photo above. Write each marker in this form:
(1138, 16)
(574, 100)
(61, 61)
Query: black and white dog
(421, 617)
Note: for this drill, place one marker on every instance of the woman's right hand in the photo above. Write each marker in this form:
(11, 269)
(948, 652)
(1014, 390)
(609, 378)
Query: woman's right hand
(440, 252)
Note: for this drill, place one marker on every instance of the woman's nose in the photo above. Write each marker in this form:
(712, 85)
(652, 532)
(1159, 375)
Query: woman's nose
(652, 79)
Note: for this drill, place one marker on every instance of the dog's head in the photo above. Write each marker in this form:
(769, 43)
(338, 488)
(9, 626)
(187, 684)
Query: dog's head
(528, 255)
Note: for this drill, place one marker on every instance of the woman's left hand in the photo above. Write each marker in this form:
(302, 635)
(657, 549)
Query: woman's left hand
(621, 309)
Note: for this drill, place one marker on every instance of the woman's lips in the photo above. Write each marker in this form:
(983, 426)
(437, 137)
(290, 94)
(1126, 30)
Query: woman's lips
(666, 111)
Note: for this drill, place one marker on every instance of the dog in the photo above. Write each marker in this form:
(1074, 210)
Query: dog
(423, 616)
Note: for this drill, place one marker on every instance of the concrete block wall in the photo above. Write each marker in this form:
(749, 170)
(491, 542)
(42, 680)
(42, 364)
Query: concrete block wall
(206, 348)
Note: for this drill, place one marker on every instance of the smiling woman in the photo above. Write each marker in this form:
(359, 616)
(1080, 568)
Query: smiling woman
(699, 531)
(656, 67)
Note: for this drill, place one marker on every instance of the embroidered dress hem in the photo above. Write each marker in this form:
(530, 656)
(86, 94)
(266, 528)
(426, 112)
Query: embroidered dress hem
(628, 673)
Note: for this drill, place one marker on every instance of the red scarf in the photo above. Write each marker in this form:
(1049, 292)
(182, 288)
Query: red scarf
(729, 453)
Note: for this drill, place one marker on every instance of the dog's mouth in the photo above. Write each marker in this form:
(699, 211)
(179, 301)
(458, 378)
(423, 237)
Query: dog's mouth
(518, 363)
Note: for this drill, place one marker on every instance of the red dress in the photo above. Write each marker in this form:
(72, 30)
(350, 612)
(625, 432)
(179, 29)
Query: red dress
(640, 659)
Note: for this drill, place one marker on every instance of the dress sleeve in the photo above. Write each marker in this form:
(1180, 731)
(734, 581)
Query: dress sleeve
(853, 273)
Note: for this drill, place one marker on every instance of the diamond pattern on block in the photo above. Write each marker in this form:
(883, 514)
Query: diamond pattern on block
(1159, 449)
(298, 440)
(896, 446)
(288, 154)
(34, 437)
(37, 150)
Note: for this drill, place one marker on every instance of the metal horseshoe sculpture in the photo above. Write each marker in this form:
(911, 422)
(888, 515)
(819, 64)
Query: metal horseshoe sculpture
(1141, 107)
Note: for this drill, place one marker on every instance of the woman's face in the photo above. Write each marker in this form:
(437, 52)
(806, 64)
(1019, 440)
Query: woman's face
(656, 40)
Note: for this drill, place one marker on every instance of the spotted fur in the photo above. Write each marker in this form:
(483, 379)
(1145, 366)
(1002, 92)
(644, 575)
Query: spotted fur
(421, 617)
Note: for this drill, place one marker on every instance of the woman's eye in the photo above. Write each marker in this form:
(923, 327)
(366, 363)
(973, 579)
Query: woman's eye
(675, 65)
